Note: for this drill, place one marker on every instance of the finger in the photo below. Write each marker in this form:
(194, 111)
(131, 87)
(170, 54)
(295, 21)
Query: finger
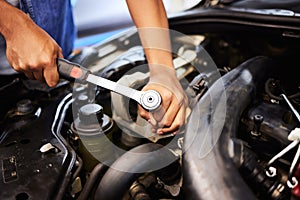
(159, 113)
(169, 115)
(178, 123)
(29, 75)
(51, 74)
(147, 116)
(38, 75)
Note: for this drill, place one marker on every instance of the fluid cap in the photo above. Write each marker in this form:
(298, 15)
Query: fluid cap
(91, 113)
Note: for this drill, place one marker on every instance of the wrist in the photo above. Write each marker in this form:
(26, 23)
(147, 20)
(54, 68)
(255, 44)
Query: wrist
(159, 57)
(162, 72)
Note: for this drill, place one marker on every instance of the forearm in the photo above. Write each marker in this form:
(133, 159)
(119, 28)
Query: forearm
(11, 19)
(29, 48)
(150, 18)
(148, 13)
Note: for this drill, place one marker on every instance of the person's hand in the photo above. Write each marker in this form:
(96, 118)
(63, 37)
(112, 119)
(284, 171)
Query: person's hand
(171, 115)
(32, 51)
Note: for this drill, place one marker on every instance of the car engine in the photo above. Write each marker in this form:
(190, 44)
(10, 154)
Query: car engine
(80, 141)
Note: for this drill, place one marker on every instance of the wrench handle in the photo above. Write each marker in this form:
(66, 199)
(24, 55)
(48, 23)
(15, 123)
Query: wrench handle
(72, 71)
(149, 100)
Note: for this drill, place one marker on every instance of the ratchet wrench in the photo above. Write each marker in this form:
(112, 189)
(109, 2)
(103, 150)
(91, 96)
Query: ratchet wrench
(150, 100)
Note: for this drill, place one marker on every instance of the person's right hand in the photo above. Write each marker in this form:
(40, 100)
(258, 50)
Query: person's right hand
(31, 50)
(170, 117)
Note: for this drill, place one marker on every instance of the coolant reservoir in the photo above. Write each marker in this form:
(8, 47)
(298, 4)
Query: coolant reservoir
(95, 130)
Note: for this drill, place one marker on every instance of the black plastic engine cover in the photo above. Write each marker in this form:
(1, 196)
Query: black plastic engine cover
(26, 170)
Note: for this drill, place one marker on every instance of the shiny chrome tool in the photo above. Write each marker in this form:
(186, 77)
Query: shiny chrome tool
(150, 100)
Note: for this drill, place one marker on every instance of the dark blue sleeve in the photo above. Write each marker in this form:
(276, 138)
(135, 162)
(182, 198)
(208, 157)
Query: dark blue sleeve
(56, 18)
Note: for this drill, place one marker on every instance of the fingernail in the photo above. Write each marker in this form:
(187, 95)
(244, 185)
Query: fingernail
(159, 131)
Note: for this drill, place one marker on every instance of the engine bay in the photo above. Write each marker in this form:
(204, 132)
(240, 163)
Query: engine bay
(77, 141)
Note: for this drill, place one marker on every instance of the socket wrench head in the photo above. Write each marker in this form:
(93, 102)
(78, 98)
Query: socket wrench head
(150, 100)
